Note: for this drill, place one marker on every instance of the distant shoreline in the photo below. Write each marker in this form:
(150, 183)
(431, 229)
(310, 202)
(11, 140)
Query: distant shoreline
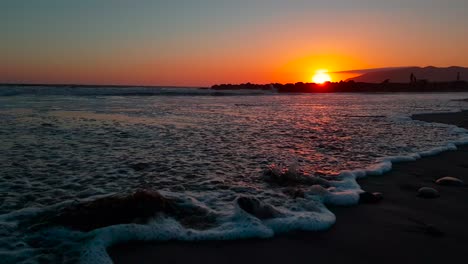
(95, 85)
(351, 87)
(299, 87)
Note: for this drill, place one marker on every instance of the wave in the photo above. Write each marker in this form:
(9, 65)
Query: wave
(307, 213)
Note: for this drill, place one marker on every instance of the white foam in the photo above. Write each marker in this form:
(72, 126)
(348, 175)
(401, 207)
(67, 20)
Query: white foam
(164, 229)
(310, 214)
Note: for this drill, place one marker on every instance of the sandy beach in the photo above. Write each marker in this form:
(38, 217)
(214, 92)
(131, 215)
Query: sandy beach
(401, 228)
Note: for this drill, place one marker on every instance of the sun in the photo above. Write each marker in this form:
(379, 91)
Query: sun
(321, 76)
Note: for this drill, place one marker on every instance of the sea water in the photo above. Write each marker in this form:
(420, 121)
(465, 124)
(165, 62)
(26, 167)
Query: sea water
(203, 148)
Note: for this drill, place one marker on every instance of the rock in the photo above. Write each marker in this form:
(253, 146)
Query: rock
(367, 197)
(194, 217)
(428, 193)
(378, 195)
(291, 176)
(256, 208)
(112, 210)
(138, 207)
(449, 181)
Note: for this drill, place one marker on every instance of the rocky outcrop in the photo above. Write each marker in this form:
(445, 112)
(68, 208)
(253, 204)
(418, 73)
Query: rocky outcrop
(118, 209)
(138, 207)
(291, 176)
(257, 208)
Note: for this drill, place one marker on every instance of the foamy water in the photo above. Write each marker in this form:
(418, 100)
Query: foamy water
(203, 149)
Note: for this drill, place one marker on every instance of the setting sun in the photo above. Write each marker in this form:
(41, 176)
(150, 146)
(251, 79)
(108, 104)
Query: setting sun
(321, 77)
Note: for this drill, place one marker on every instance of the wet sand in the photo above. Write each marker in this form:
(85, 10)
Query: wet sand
(402, 228)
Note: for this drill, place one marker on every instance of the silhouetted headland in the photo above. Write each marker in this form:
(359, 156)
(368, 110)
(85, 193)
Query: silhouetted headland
(400, 75)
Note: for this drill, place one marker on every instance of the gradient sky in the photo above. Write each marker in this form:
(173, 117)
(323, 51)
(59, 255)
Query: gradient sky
(203, 42)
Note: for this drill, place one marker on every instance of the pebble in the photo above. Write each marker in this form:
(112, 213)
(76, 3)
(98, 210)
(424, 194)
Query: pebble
(428, 193)
(449, 181)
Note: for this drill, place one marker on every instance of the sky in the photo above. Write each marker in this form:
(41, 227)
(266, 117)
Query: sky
(205, 42)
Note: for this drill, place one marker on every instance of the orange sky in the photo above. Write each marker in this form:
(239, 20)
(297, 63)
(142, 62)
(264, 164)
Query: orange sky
(156, 43)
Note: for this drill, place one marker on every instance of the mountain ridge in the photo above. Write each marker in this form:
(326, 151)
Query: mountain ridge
(403, 75)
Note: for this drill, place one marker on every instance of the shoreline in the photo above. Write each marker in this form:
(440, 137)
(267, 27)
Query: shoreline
(351, 86)
(396, 229)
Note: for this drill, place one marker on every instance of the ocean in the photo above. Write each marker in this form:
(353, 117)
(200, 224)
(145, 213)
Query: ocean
(293, 154)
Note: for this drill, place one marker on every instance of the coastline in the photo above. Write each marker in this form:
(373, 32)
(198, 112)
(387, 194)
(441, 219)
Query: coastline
(396, 229)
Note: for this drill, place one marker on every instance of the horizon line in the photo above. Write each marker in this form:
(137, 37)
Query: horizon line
(98, 85)
(357, 71)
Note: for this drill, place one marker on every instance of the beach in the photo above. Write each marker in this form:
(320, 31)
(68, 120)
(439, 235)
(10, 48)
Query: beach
(401, 228)
(233, 132)
(237, 178)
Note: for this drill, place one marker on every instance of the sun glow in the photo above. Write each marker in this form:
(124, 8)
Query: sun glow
(321, 76)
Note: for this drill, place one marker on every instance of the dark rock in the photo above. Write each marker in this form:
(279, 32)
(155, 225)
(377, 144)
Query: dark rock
(428, 193)
(291, 176)
(113, 210)
(378, 195)
(47, 125)
(369, 198)
(194, 217)
(256, 208)
(449, 181)
(138, 207)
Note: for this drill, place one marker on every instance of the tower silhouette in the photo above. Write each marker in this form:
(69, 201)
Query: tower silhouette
(412, 78)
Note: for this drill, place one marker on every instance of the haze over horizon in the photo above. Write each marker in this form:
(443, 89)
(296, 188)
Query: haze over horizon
(183, 43)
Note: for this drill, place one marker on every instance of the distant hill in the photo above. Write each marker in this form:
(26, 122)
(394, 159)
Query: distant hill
(402, 75)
